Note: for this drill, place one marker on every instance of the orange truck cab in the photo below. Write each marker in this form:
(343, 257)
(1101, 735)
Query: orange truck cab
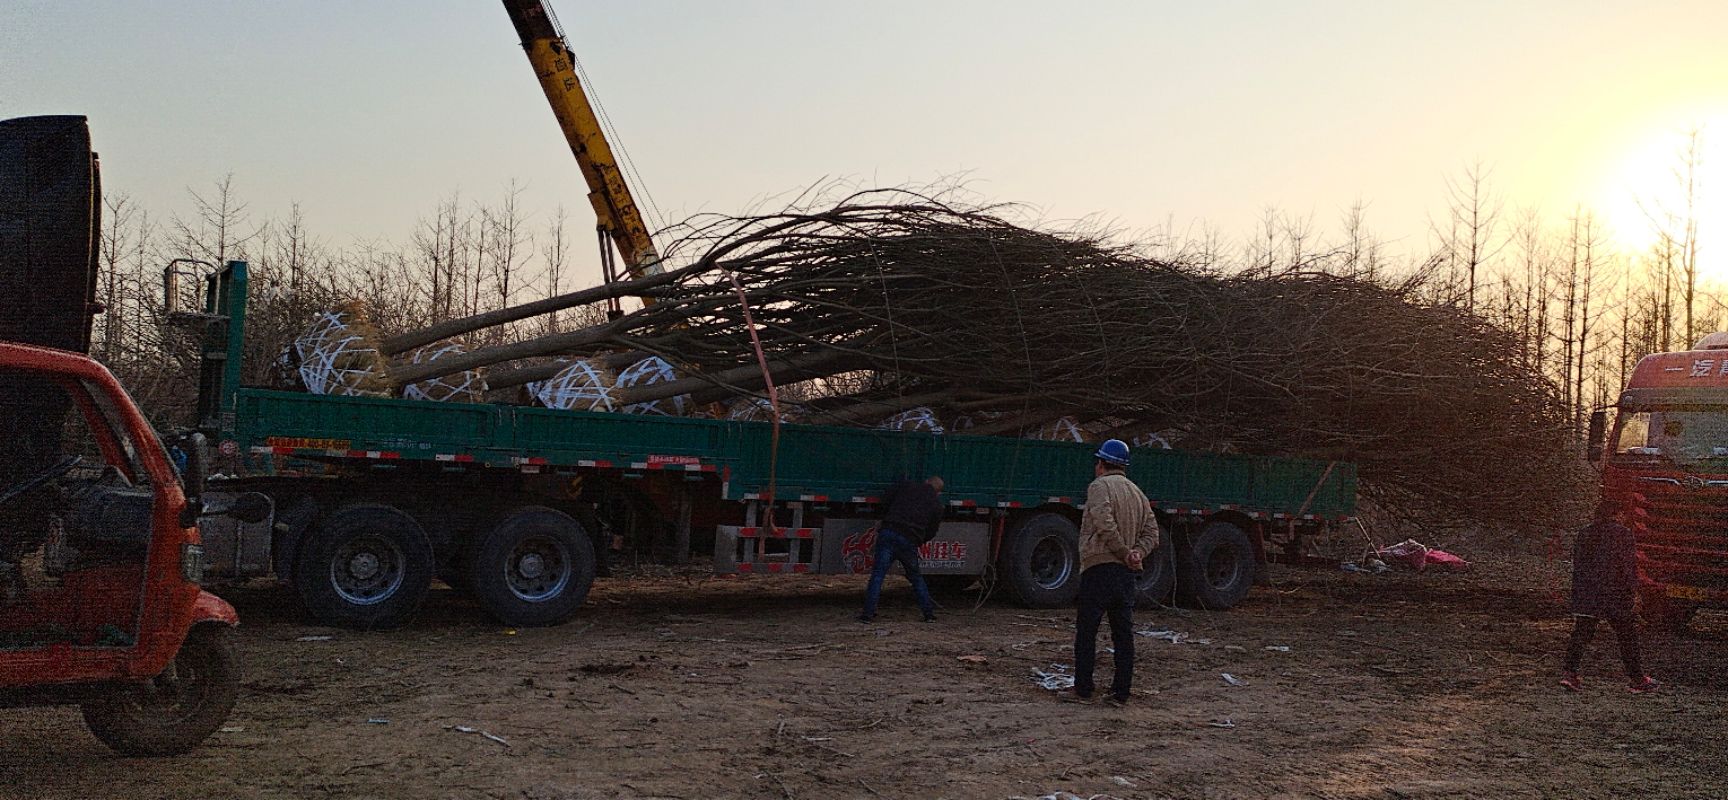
(100, 561)
(1668, 453)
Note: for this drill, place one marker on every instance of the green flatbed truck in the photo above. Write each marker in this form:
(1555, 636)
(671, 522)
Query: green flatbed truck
(375, 498)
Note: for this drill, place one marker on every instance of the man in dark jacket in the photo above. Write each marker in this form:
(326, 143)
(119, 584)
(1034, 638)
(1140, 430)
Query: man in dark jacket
(914, 513)
(1604, 582)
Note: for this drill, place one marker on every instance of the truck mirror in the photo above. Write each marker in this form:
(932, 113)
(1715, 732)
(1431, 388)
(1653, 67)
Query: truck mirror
(1598, 427)
(197, 464)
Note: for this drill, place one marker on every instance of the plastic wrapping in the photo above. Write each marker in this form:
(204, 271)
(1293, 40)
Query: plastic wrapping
(647, 372)
(758, 409)
(462, 387)
(1066, 429)
(913, 419)
(339, 354)
(1151, 440)
(582, 385)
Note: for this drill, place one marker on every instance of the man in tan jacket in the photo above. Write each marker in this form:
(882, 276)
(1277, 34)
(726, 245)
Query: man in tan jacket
(1117, 531)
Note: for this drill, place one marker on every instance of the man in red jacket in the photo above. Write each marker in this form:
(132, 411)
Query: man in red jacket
(1604, 581)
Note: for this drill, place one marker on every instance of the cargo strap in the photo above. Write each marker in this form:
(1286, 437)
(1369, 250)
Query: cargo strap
(773, 396)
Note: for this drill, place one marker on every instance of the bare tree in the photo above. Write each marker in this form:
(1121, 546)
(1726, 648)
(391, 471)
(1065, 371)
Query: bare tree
(218, 228)
(1471, 239)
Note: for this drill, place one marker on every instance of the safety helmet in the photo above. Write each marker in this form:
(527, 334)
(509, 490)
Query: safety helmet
(1113, 451)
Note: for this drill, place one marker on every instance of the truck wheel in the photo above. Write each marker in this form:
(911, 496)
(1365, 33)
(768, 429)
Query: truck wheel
(365, 567)
(1157, 575)
(534, 568)
(1216, 567)
(172, 712)
(1041, 561)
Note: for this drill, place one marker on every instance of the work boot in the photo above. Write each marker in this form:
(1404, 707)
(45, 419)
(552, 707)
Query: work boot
(1648, 684)
(866, 618)
(1072, 696)
(1571, 682)
(929, 617)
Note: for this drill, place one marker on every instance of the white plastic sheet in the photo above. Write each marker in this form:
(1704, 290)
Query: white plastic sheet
(913, 419)
(647, 372)
(462, 387)
(582, 385)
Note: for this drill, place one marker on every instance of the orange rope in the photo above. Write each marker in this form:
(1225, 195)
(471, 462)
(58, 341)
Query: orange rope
(773, 400)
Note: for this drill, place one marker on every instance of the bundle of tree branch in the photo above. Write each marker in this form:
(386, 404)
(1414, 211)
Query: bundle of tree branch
(924, 304)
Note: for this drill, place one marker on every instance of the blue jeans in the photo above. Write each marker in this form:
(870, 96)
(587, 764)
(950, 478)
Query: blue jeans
(892, 547)
(1105, 589)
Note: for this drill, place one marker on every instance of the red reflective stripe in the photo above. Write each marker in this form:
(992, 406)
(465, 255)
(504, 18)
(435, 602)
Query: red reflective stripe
(746, 567)
(758, 532)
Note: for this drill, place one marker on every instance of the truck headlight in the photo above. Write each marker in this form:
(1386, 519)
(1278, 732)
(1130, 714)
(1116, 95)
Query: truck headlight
(192, 563)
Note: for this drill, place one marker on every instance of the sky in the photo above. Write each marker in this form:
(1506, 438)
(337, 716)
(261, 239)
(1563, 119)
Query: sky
(1141, 114)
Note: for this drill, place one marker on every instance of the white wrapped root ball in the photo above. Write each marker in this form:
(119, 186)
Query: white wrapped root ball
(462, 387)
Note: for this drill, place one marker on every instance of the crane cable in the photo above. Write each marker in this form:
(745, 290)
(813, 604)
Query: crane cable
(627, 164)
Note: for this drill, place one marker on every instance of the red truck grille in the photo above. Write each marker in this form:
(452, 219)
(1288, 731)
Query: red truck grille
(1686, 541)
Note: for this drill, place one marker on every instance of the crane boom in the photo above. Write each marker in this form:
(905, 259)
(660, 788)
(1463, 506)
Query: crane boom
(619, 220)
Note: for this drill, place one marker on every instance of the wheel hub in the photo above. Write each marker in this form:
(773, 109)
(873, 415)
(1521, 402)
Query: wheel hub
(363, 565)
(538, 569)
(1222, 567)
(1050, 563)
(367, 570)
(531, 566)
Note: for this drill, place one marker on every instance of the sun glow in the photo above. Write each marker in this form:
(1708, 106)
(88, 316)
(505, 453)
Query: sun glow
(1645, 194)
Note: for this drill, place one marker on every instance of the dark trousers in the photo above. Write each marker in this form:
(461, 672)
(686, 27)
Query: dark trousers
(1625, 633)
(892, 547)
(1106, 589)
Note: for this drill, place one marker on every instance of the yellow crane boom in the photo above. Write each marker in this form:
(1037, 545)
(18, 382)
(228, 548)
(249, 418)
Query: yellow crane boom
(618, 218)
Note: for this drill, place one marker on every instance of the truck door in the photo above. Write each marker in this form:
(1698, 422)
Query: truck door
(76, 513)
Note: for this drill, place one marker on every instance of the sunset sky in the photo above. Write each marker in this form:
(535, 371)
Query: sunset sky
(1139, 113)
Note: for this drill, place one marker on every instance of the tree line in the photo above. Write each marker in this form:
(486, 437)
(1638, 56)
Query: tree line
(1582, 309)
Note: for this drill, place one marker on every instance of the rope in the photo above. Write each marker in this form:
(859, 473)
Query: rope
(773, 398)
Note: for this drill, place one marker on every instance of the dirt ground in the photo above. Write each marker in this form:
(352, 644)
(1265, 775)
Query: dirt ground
(667, 686)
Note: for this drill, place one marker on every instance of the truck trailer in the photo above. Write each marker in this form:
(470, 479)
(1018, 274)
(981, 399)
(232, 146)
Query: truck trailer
(375, 498)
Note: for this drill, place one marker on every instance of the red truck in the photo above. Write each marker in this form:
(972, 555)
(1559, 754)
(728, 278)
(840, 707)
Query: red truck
(1668, 453)
(100, 562)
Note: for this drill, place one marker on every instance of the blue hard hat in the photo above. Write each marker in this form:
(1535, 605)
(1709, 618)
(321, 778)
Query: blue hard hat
(1113, 451)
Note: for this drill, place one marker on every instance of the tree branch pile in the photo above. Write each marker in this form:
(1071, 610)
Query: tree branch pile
(912, 303)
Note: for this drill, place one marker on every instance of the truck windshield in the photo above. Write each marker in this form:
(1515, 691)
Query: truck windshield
(1691, 433)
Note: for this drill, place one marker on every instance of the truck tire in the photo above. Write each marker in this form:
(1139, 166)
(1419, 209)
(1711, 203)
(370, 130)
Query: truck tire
(534, 568)
(365, 567)
(1157, 576)
(1215, 567)
(1041, 561)
(171, 713)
